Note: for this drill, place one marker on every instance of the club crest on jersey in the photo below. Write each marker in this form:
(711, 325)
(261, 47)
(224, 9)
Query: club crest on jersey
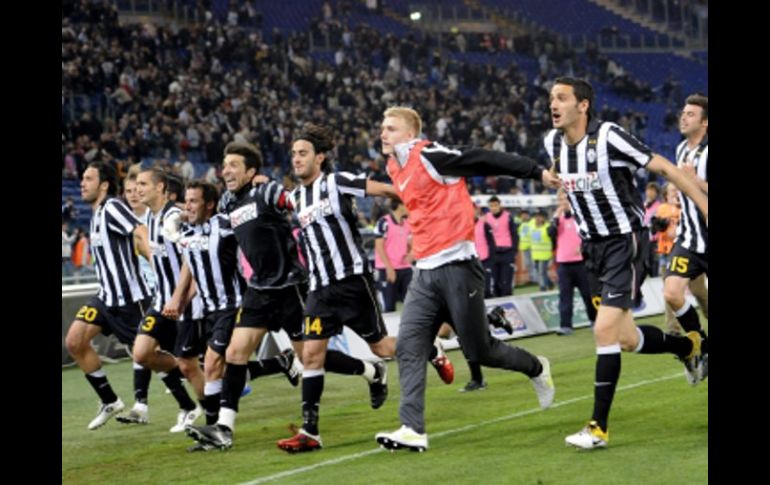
(243, 214)
(591, 155)
(581, 182)
(314, 212)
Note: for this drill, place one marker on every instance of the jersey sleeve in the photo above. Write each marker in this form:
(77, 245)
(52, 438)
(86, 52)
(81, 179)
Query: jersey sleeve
(119, 218)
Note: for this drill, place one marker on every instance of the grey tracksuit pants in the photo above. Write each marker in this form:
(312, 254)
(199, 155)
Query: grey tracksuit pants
(453, 293)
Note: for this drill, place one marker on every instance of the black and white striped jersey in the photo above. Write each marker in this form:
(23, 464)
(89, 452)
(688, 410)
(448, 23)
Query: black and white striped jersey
(166, 256)
(598, 176)
(211, 251)
(326, 214)
(115, 257)
(692, 232)
(259, 217)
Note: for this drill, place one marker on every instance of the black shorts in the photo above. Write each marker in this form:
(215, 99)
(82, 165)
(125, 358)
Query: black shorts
(616, 268)
(217, 328)
(350, 302)
(687, 264)
(274, 309)
(189, 338)
(160, 328)
(120, 320)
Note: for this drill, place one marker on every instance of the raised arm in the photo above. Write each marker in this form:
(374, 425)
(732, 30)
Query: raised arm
(380, 189)
(479, 161)
(661, 166)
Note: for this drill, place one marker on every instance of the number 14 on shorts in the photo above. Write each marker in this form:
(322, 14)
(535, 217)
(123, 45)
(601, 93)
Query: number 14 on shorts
(313, 327)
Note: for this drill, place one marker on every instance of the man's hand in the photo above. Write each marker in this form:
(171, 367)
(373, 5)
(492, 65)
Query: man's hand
(689, 170)
(390, 275)
(171, 226)
(171, 309)
(551, 179)
(259, 179)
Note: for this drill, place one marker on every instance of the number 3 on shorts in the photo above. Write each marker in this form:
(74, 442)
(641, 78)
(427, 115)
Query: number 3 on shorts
(149, 322)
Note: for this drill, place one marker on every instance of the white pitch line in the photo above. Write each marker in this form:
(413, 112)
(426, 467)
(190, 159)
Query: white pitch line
(355, 456)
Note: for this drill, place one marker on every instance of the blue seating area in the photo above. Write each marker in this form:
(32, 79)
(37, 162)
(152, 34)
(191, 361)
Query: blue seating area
(653, 68)
(286, 16)
(402, 7)
(702, 57)
(527, 64)
(577, 17)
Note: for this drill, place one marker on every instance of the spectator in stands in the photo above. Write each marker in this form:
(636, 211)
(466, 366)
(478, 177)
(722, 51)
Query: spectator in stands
(392, 259)
(664, 224)
(68, 210)
(525, 224)
(484, 239)
(542, 249)
(67, 240)
(506, 237)
(81, 256)
(570, 269)
(176, 96)
(185, 169)
(651, 204)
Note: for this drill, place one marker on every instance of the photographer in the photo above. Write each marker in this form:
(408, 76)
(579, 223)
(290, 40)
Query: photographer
(664, 223)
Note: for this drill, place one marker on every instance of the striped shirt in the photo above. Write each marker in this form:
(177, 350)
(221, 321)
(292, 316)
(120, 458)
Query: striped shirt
(692, 232)
(598, 176)
(166, 256)
(146, 267)
(327, 216)
(115, 260)
(211, 251)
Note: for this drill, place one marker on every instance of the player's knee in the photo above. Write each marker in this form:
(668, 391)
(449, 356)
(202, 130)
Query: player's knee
(628, 343)
(236, 356)
(143, 357)
(188, 367)
(673, 297)
(75, 345)
(312, 360)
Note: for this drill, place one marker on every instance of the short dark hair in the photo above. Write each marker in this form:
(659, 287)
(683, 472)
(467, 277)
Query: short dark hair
(494, 198)
(174, 185)
(701, 100)
(394, 204)
(158, 175)
(654, 186)
(322, 139)
(582, 89)
(209, 191)
(107, 174)
(253, 159)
